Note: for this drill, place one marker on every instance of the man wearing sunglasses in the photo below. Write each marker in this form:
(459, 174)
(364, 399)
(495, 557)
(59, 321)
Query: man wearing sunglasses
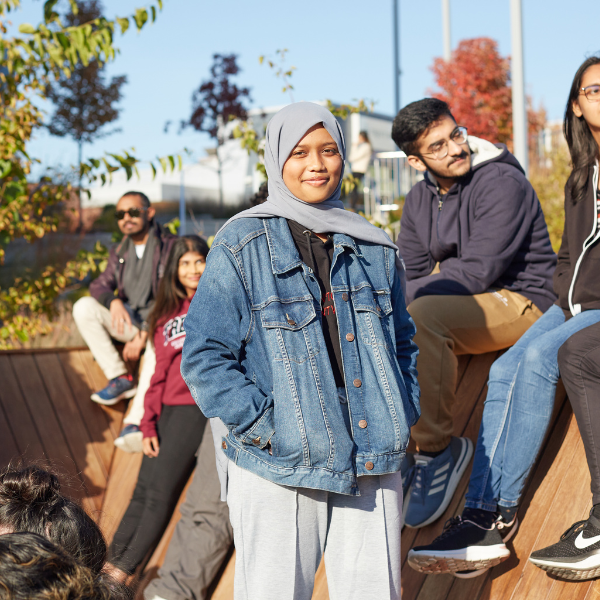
(479, 268)
(120, 301)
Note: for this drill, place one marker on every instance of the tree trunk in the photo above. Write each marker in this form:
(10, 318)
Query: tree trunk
(79, 207)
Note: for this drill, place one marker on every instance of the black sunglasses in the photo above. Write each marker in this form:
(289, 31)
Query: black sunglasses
(134, 213)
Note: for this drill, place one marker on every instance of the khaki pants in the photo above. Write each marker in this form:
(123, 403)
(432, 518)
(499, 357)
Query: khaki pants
(94, 323)
(448, 326)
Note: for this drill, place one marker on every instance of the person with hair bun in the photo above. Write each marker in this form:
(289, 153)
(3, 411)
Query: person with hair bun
(33, 567)
(30, 500)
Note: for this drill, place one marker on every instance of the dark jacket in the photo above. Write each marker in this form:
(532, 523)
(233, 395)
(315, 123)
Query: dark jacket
(167, 385)
(578, 271)
(501, 239)
(103, 288)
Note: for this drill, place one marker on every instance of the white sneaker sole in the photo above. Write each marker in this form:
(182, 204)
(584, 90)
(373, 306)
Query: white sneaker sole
(132, 442)
(128, 394)
(464, 559)
(463, 461)
(588, 568)
(478, 572)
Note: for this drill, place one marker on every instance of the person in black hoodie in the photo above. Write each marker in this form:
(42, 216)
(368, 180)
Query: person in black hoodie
(522, 384)
(577, 554)
(479, 267)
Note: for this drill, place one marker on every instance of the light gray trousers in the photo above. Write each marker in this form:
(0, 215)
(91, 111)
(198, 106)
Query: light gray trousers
(281, 533)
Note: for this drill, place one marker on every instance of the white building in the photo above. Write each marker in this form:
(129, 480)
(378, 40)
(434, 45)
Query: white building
(198, 182)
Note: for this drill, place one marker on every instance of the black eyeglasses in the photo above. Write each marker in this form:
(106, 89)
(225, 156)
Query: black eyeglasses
(591, 92)
(439, 150)
(134, 213)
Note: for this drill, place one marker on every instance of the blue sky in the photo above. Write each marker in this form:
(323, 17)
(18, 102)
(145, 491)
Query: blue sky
(342, 51)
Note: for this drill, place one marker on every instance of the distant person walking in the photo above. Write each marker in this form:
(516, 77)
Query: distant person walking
(120, 302)
(360, 159)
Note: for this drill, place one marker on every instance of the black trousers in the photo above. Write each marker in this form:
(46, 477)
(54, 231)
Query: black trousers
(160, 483)
(579, 364)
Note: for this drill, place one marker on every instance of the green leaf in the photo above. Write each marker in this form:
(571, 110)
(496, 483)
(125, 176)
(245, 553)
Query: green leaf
(160, 4)
(26, 28)
(49, 14)
(140, 17)
(153, 10)
(123, 24)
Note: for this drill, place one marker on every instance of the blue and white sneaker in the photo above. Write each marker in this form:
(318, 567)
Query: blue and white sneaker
(130, 439)
(435, 480)
(117, 389)
(406, 468)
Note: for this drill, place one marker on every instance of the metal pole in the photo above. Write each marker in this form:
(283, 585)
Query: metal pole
(518, 86)
(397, 71)
(446, 29)
(182, 215)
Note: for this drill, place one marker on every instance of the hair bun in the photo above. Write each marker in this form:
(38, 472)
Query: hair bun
(31, 484)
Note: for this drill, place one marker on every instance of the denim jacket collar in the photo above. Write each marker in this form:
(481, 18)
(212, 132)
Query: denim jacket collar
(284, 255)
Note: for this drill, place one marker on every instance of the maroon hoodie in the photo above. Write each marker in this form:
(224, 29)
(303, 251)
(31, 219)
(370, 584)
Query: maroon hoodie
(167, 385)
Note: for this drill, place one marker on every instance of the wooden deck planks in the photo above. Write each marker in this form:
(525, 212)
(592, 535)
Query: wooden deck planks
(45, 412)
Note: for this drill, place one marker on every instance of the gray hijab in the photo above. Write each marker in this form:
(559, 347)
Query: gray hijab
(284, 131)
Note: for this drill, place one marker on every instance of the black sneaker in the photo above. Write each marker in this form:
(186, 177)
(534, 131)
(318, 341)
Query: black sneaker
(463, 545)
(576, 555)
(506, 531)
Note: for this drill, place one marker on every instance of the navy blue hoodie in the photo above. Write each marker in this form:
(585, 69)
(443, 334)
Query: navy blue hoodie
(488, 232)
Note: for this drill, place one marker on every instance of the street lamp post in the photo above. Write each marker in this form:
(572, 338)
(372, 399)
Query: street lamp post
(397, 71)
(517, 76)
(446, 29)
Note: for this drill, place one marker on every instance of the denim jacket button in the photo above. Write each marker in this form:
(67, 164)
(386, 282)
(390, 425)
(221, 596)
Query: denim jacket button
(256, 441)
(362, 424)
(345, 297)
(357, 383)
(369, 466)
(224, 445)
(350, 337)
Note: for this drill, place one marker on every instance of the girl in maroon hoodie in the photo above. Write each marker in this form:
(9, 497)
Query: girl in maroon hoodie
(172, 424)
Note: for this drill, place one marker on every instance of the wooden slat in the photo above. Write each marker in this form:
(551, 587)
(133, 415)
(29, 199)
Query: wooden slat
(8, 444)
(121, 483)
(48, 426)
(17, 413)
(224, 589)
(76, 434)
(97, 381)
(96, 420)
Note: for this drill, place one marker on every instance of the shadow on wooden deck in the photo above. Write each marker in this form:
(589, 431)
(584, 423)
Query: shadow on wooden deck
(46, 415)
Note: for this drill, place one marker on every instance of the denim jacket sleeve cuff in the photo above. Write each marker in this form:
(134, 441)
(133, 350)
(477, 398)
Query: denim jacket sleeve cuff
(262, 431)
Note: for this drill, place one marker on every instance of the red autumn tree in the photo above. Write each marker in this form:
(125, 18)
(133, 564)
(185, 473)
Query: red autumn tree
(475, 82)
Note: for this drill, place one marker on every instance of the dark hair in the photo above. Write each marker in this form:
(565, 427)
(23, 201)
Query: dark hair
(582, 145)
(262, 194)
(365, 135)
(415, 119)
(170, 291)
(33, 567)
(145, 200)
(30, 500)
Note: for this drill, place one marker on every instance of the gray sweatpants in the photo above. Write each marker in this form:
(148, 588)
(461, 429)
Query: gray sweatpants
(281, 533)
(202, 536)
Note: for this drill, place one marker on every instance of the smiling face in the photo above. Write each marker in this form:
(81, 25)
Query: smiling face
(582, 107)
(313, 169)
(134, 226)
(190, 269)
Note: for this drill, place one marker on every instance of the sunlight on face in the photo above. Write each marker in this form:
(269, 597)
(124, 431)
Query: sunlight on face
(190, 269)
(313, 170)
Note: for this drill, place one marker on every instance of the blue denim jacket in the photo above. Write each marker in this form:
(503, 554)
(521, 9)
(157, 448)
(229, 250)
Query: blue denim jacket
(255, 357)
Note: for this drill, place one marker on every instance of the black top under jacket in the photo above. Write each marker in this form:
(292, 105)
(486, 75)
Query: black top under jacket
(318, 256)
(579, 227)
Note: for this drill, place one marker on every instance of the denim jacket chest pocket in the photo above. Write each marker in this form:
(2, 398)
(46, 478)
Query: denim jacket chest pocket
(292, 329)
(373, 309)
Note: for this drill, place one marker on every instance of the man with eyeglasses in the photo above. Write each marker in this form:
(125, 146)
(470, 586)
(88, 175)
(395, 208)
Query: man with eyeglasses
(120, 301)
(479, 268)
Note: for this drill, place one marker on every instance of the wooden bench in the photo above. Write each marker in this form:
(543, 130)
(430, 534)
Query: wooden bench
(46, 413)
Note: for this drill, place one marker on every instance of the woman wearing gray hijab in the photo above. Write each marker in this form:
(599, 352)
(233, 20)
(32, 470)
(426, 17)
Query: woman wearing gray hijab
(299, 342)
